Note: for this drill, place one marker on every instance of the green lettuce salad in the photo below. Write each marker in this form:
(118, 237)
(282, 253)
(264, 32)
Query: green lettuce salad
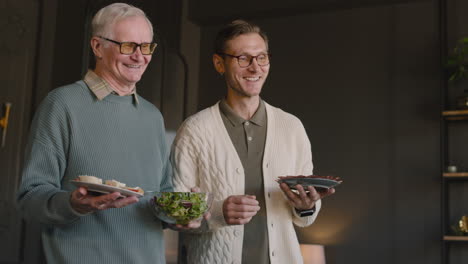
(182, 207)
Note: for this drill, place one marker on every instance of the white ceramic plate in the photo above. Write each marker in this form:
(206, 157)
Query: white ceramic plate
(104, 188)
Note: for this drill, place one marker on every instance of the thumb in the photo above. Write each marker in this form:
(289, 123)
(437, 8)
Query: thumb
(80, 193)
(195, 189)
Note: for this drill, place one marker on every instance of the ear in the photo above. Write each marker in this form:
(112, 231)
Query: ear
(97, 47)
(218, 63)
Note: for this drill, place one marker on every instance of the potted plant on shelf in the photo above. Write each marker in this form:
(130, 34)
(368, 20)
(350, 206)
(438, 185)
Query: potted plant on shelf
(457, 62)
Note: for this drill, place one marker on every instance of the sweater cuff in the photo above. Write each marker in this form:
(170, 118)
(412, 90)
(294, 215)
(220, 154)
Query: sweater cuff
(307, 220)
(217, 217)
(64, 211)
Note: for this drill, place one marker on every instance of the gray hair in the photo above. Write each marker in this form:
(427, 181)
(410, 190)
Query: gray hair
(234, 29)
(104, 20)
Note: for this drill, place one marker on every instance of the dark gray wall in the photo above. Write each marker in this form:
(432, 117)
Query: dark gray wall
(365, 82)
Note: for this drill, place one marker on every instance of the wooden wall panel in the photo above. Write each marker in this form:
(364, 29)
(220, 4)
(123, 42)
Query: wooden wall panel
(18, 27)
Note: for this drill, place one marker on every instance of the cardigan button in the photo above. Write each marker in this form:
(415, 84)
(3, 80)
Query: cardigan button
(238, 170)
(237, 233)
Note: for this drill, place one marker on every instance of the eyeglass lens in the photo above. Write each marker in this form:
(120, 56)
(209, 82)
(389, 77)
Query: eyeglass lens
(130, 47)
(246, 60)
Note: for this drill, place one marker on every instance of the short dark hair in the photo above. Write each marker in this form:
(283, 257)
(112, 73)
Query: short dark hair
(234, 29)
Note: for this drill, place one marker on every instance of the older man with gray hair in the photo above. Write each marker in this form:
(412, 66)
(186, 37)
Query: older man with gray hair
(100, 126)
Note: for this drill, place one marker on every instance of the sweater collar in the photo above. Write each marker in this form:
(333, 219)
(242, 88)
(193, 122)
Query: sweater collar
(101, 88)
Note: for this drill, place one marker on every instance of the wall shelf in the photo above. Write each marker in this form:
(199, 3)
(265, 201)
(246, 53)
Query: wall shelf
(455, 174)
(450, 180)
(455, 238)
(455, 114)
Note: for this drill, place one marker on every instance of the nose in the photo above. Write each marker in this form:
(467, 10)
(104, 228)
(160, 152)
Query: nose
(137, 55)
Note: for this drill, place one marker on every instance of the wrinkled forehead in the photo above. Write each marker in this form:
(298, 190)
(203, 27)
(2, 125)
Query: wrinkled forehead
(130, 24)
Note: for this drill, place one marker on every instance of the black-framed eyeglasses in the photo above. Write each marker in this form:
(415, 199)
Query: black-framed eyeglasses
(128, 48)
(246, 60)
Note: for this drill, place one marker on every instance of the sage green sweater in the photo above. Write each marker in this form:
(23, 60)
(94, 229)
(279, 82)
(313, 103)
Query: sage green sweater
(73, 133)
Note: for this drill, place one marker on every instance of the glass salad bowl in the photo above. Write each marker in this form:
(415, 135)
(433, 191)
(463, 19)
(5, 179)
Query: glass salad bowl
(180, 207)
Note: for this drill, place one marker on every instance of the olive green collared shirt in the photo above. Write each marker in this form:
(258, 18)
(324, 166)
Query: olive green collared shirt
(248, 138)
(101, 88)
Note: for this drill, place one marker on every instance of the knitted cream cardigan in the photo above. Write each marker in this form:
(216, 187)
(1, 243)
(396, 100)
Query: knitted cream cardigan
(203, 155)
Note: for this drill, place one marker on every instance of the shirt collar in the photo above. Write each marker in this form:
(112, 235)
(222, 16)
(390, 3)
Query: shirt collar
(100, 87)
(259, 118)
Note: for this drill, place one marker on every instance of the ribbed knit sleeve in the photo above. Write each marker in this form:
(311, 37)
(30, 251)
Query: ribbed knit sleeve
(40, 196)
(190, 152)
(167, 171)
(184, 156)
(166, 184)
(304, 159)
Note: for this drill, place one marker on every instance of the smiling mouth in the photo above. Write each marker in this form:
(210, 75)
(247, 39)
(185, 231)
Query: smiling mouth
(132, 66)
(252, 79)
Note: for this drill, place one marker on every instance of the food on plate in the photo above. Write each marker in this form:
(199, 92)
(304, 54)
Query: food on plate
(135, 189)
(113, 183)
(90, 179)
